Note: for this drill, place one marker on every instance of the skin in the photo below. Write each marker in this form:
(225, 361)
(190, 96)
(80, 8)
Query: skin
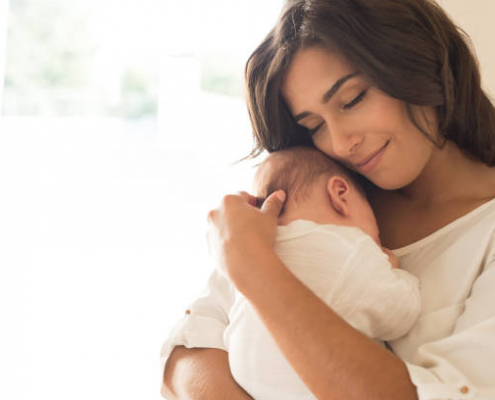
(423, 193)
(189, 371)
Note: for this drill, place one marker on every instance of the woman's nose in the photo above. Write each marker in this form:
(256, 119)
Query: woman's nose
(345, 143)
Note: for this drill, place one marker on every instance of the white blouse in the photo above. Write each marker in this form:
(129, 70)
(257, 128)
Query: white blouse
(450, 350)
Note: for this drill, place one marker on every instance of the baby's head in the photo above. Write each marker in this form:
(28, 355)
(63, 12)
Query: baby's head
(317, 188)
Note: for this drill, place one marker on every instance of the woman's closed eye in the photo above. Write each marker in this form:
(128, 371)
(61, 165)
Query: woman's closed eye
(347, 106)
(355, 101)
(312, 131)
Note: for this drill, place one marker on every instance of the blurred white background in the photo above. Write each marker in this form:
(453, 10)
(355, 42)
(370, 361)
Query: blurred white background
(120, 124)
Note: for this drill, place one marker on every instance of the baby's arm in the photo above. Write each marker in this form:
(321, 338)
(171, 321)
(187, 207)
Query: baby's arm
(376, 297)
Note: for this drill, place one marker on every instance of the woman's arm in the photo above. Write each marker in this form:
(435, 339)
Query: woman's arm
(200, 374)
(193, 356)
(333, 359)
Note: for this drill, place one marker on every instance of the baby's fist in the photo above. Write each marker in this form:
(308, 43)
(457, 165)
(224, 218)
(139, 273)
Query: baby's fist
(392, 258)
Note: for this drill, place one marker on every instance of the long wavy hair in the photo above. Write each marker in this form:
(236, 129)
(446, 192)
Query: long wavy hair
(408, 49)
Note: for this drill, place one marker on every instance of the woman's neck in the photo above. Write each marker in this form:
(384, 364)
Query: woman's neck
(451, 175)
(450, 186)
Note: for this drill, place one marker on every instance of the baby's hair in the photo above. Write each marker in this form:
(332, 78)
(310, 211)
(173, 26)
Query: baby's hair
(295, 169)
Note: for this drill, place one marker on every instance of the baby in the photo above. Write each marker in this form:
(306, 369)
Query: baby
(328, 238)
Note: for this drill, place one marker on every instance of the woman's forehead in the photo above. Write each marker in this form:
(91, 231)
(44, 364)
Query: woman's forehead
(312, 71)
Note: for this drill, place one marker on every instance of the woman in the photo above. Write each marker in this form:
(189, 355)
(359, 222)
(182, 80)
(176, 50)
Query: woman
(390, 89)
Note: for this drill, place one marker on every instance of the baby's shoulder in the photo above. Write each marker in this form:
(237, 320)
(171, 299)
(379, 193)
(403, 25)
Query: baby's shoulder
(309, 232)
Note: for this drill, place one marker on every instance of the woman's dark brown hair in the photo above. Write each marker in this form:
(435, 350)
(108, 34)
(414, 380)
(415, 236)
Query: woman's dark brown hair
(409, 49)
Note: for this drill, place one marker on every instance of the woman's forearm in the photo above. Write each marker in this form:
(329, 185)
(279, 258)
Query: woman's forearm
(333, 359)
(200, 374)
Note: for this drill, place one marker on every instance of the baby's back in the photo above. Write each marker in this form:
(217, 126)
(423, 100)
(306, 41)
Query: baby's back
(305, 249)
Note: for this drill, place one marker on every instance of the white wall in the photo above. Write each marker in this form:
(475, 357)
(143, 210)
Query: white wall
(3, 37)
(103, 237)
(476, 18)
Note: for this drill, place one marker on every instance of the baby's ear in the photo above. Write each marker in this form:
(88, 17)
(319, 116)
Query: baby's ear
(338, 193)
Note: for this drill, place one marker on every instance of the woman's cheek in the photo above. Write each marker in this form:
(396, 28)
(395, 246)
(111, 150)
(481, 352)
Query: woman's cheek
(400, 168)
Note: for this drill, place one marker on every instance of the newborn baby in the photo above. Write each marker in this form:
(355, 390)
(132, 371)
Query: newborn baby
(328, 238)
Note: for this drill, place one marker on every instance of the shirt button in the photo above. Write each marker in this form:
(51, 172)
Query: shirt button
(464, 389)
(189, 312)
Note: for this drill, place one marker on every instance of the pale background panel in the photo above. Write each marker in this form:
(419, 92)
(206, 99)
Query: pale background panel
(3, 37)
(103, 220)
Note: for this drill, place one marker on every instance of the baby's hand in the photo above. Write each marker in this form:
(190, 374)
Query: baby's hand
(392, 258)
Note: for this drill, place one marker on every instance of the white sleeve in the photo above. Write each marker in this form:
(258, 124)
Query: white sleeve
(204, 320)
(378, 300)
(462, 366)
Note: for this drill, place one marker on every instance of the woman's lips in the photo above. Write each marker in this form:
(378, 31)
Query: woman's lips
(370, 162)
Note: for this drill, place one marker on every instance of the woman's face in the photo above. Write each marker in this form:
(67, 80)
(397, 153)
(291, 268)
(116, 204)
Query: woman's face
(355, 123)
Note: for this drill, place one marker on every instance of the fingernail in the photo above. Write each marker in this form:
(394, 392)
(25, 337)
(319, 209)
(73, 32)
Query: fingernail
(281, 195)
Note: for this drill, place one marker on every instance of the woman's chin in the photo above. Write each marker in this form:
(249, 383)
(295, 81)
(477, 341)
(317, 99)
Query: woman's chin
(390, 183)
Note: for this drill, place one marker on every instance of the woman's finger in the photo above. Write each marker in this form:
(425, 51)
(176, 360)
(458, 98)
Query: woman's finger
(274, 203)
(251, 200)
(211, 215)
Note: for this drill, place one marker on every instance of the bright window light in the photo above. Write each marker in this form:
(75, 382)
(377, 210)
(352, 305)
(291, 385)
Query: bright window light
(121, 124)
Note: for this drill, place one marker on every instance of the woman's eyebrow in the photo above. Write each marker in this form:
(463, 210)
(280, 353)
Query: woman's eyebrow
(328, 94)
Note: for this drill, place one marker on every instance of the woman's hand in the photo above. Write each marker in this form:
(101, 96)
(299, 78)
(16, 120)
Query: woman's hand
(240, 234)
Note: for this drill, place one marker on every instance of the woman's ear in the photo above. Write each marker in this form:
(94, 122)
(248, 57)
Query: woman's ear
(338, 194)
